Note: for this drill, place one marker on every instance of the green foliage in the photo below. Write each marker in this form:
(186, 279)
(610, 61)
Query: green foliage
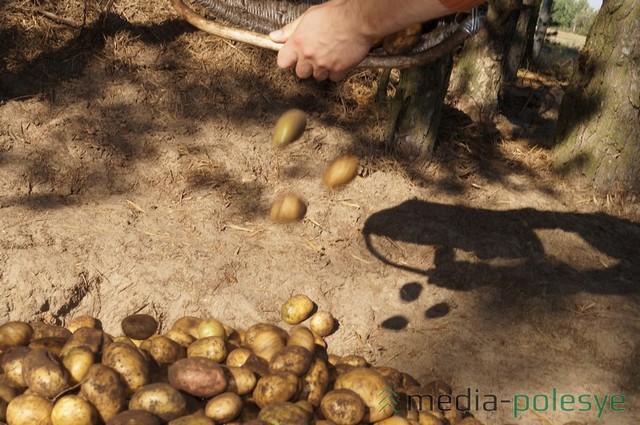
(573, 15)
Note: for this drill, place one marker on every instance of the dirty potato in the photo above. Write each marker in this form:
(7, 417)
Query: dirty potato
(368, 384)
(198, 376)
(289, 127)
(287, 208)
(297, 309)
(84, 321)
(211, 327)
(15, 333)
(275, 388)
(29, 409)
(44, 374)
(211, 347)
(237, 357)
(73, 410)
(341, 171)
(315, 382)
(240, 380)
(292, 358)
(129, 363)
(284, 413)
(137, 417)
(322, 323)
(302, 337)
(267, 343)
(91, 337)
(343, 407)
(139, 326)
(188, 325)
(162, 400)
(163, 350)
(12, 366)
(224, 407)
(77, 362)
(103, 387)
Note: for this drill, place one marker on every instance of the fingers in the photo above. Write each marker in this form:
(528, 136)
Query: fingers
(304, 69)
(283, 34)
(320, 74)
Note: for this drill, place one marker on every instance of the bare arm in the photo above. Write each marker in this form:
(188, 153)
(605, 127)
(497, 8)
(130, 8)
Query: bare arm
(330, 39)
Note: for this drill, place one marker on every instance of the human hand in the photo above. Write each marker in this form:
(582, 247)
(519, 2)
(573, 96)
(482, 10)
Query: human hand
(327, 41)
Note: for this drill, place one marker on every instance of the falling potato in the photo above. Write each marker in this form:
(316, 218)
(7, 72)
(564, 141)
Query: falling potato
(289, 127)
(287, 208)
(341, 171)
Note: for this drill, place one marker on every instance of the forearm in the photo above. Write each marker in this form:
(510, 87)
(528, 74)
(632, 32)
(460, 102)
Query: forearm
(383, 17)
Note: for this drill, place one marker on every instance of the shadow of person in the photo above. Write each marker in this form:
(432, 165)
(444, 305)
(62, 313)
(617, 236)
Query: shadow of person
(463, 248)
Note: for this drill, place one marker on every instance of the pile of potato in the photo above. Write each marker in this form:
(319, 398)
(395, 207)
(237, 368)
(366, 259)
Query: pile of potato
(200, 371)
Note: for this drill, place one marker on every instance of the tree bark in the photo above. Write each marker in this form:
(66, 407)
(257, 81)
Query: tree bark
(416, 108)
(522, 38)
(598, 133)
(477, 77)
(544, 21)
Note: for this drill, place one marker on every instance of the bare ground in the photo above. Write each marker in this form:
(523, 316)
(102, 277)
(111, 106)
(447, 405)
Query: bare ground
(136, 172)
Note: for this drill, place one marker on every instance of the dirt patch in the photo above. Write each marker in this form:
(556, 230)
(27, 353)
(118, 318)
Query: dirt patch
(136, 172)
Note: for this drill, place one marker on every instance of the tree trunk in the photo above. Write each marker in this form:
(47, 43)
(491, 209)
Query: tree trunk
(477, 76)
(544, 20)
(416, 108)
(522, 38)
(598, 134)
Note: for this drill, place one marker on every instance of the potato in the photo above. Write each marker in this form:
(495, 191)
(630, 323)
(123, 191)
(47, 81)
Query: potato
(12, 366)
(257, 365)
(302, 337)
(211, 327)
(52, 344)
(237, 357)
(368, 384)
(453, 415)
(341, 171)
(182, 338)
(211, 347)
(394, 420)
(77, 362)
(289, 127)
(15, 333)
(284, 414)
(201, 377)
(297, 309)
(91, 337)
(354, 360)
(292, 358)
(129, 363)
(29, 409)
(46, 330)
(195, 419)
(163, 350)
(240, 380)
(315, 382)
(134, 417)
(392, 376)
(403, 41)
(322, 323)
(333, 359)
(344, 407)
(104, 388)
(305, 405)
(7, 394)
(139, 326)
(256, 422)
(287, 208)
(73, 410)
(162, 400)
(258, 328)
(470, 420)
(409, 381)
(83, 322)
(427, 418)
(44, 374)
(275, 388)
(224, 407)
(267, 343)
(188, 325)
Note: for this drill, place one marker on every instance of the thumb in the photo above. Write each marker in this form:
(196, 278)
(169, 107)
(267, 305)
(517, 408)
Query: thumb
(283, 34)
